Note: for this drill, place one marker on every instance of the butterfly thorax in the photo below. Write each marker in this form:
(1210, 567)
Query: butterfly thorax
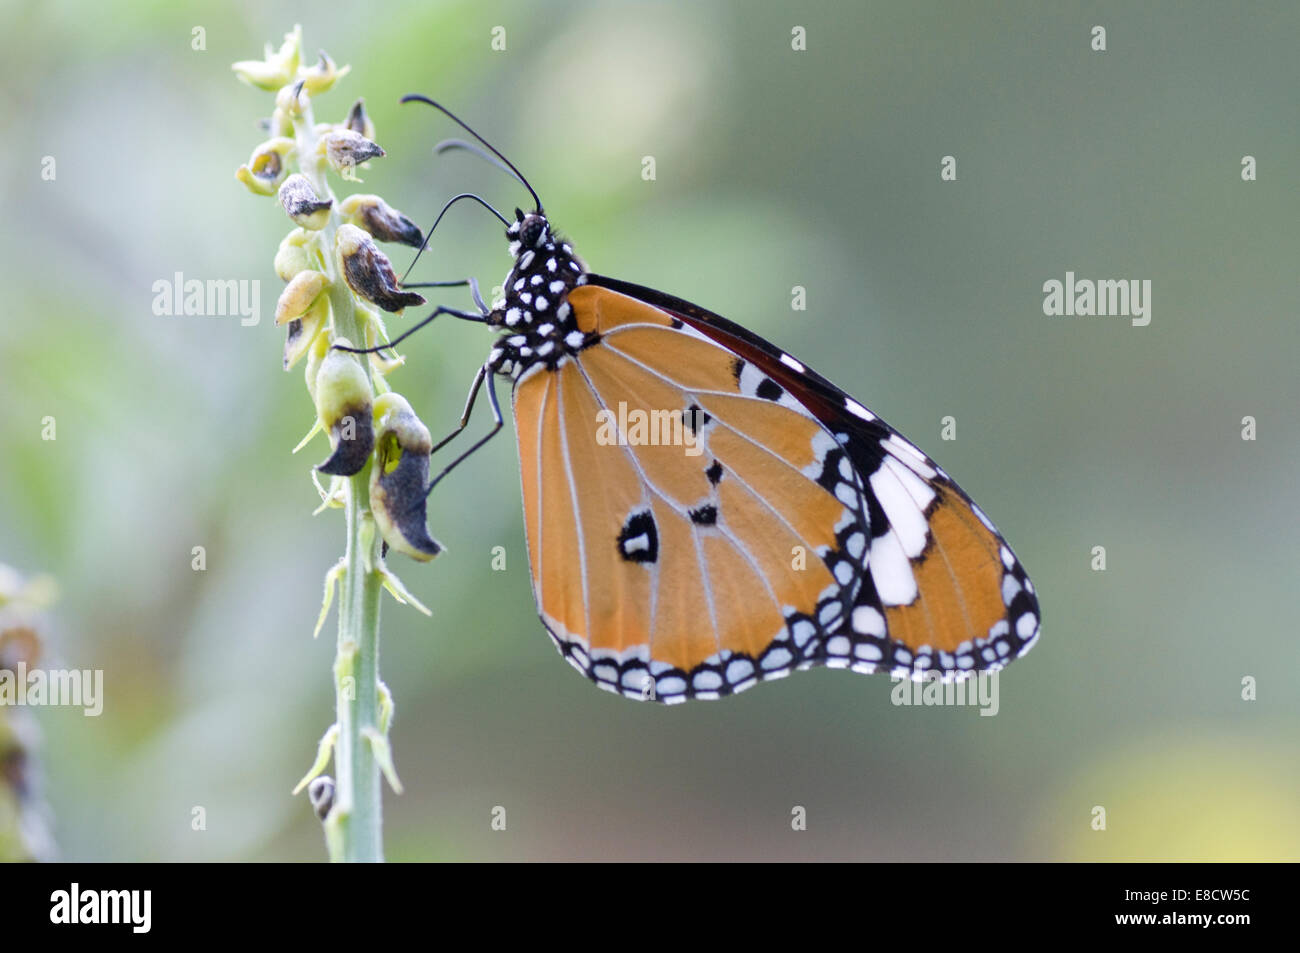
(535, 315)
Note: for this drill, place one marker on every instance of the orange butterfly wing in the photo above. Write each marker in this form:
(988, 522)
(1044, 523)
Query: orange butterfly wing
(797, 529)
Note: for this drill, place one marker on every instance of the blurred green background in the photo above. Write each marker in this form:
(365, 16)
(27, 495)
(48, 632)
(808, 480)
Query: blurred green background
(775, 168)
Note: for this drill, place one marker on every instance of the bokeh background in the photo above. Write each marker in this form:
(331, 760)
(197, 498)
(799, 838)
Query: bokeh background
(775, 168)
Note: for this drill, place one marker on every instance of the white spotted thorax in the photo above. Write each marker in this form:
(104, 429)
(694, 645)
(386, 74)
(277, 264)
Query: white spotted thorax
(538, 322)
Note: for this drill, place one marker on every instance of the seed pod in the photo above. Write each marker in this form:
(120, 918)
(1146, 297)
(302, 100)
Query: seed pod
(380, 219)
(302, 204)
(369, 272)
(399, 479)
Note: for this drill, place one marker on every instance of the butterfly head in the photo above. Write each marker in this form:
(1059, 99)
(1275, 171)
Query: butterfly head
(529, 232)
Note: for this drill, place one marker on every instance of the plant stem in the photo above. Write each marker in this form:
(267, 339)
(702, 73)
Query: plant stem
(359, 794)
(354, 830)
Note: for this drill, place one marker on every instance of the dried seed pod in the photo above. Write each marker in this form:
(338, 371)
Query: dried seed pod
(380, 219)
(345, 150)
(302, 204)
(343, 403)
(359, 120)
(321, 795)
(369, 272)
(399, 478)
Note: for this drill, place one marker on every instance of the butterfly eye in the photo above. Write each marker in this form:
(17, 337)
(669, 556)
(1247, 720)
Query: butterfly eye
(532, 231)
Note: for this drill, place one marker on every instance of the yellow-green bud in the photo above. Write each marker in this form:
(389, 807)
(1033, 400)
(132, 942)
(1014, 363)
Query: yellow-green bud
(292, 255)
(267, 167)
(303, 331)
(380, 219)
(292, 100)
(315, 358)
(399, 478)
(369, 272)
(343, 404)
(276, 68)
(302, 204)
(321, 77)
(299, 295)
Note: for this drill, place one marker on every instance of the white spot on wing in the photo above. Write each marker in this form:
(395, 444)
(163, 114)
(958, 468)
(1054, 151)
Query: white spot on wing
(892, 571)
(920, 491)
(904, 451)
(857, 410)
(905, 518)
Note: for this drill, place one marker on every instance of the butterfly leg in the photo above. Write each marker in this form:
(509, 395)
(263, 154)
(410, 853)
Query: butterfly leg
(471, 282)
(484, 374)
(463, 315)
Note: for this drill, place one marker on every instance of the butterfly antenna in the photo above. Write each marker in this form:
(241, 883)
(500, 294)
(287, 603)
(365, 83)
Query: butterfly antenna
(448, 145)
(417, 98)
(450, 202)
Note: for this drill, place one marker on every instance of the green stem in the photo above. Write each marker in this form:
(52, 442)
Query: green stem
(358, 793)
(354, 828)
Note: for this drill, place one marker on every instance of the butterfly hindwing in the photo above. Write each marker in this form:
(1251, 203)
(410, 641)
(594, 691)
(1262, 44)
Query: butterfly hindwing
(941, 590)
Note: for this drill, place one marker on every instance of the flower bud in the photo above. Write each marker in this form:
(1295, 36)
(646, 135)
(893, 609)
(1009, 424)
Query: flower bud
(399, 478)
(321, 77)
(279, 123)
(292, 256)
(299, 295)
(345, 150)
(292, 100)
(359, 120)
(380, 219)
(303, 330)
(343, 404)
(302, 204)
(276, 68)
(369, 272)
(268, 166)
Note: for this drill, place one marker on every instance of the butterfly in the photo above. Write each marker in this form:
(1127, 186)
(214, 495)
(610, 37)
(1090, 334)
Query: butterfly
(703, 511)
